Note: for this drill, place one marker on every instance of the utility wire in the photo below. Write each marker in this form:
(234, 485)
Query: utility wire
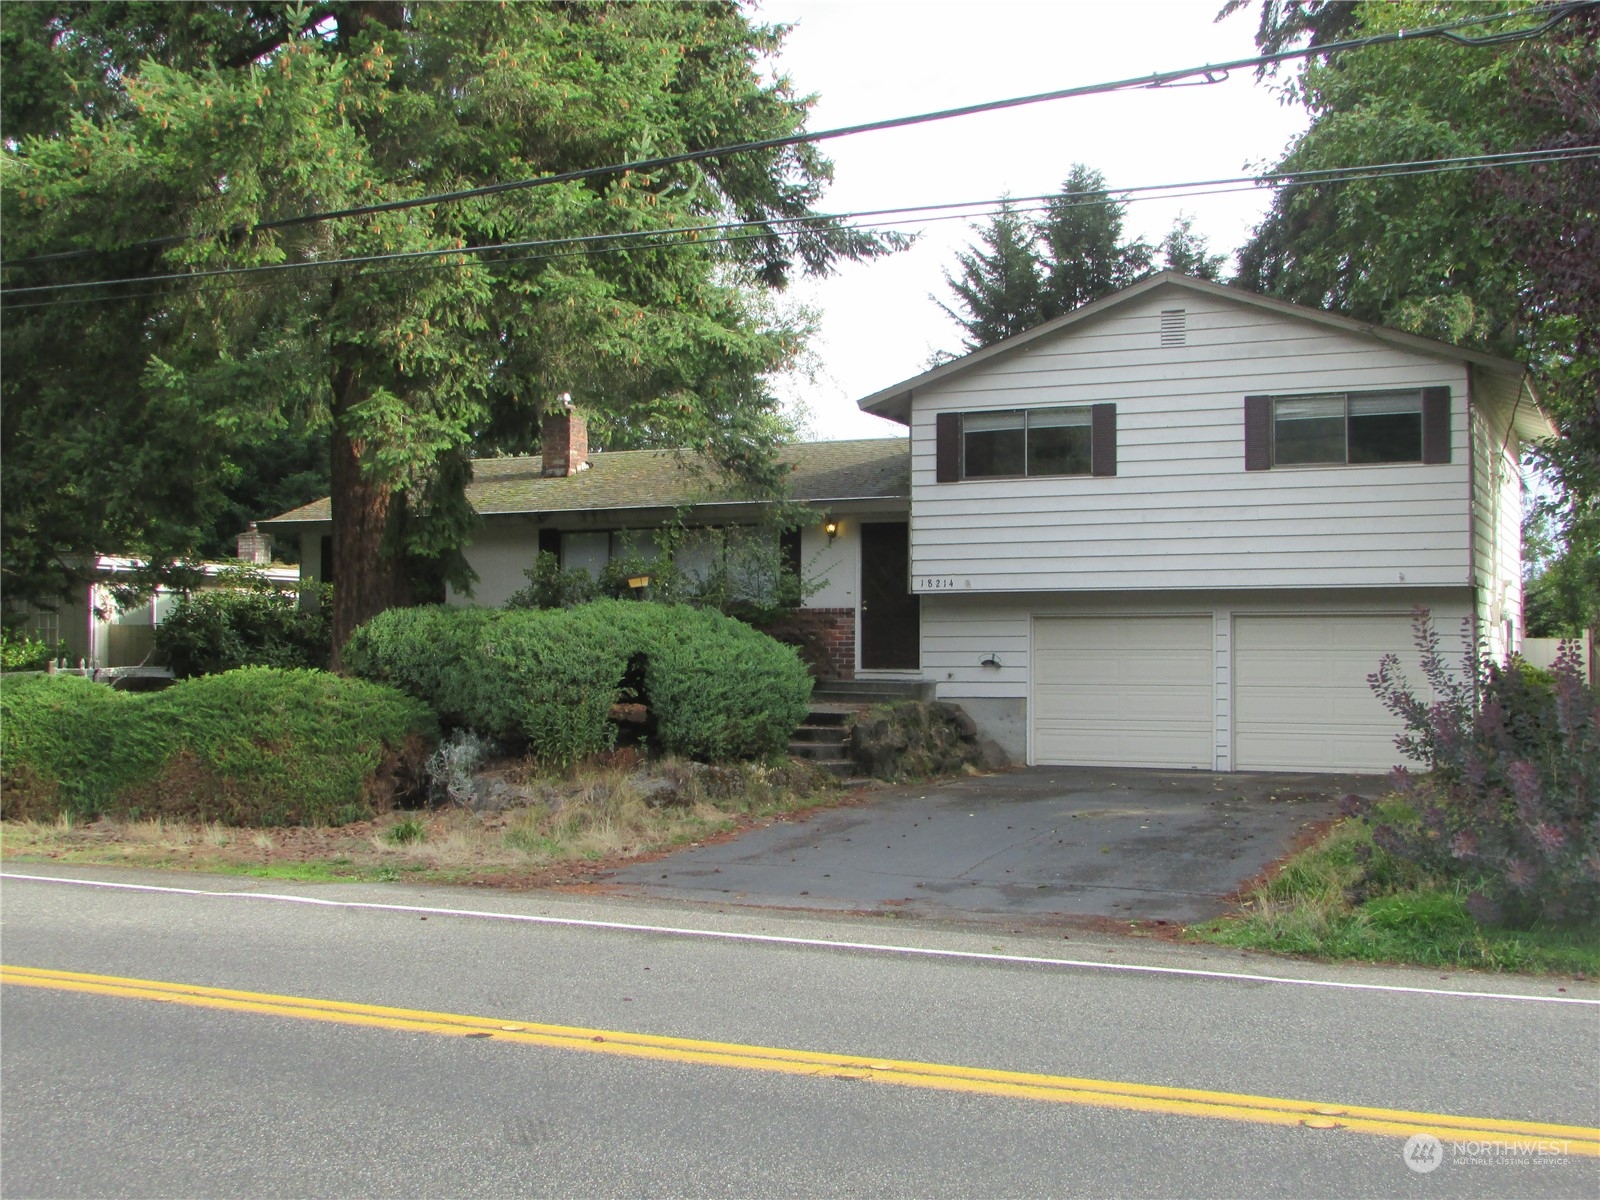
(984, 207)
(674, 239)
(1209, 73)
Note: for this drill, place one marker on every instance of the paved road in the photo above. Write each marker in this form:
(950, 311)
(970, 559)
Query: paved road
(1034, 843)
(166, 1091)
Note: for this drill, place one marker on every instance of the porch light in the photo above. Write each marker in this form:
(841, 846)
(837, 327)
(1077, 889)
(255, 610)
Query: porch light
(832, 530)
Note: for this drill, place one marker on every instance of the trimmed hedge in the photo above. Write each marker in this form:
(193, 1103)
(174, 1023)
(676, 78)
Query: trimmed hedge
(718, 689)
(257, 746)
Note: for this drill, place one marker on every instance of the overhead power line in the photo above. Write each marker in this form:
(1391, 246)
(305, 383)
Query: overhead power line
(1209, 73)
(1021, 205)
(629, 239)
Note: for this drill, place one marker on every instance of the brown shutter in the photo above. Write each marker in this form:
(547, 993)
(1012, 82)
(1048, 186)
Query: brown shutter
(947, 455)
(1257, 433)
(1436, 425)
(1103, 439)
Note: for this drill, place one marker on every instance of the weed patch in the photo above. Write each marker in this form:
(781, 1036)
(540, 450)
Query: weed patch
(1343, 898)
(604, 812)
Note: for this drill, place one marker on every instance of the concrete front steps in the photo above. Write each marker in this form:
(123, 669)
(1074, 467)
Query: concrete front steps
(823, 738)
(866, 692)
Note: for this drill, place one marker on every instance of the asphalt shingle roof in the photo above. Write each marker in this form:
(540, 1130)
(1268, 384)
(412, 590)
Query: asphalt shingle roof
(868, 469)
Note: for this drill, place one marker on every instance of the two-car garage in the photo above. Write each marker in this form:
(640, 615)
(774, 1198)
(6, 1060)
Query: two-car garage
(1254, 691)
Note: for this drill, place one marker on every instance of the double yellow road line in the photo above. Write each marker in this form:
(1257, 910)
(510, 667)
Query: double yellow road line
(1099, 1093)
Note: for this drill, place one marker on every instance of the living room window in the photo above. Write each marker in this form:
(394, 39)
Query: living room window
(1039, 441)
(1347, 427)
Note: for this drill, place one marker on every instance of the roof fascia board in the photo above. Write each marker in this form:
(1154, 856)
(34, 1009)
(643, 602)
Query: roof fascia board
(650, 513)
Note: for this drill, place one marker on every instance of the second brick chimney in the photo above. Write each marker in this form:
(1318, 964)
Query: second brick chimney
(253, 546)
(564, 445)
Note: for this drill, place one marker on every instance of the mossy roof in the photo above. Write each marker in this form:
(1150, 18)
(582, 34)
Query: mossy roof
(867, 469)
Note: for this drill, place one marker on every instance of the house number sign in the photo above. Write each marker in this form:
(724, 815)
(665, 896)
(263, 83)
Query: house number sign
(933, 583)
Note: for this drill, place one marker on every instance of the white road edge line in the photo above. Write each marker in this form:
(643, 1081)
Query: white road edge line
(817, 943)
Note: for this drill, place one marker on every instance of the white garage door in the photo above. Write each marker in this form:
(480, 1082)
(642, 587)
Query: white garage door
(1301, 699)
(1123, 691)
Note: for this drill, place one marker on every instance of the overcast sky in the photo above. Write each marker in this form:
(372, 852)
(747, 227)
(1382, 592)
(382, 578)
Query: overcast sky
(871, 59)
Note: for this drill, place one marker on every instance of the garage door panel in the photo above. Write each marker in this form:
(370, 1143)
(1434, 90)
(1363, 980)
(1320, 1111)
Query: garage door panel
(1123, 691)
(1300, 695)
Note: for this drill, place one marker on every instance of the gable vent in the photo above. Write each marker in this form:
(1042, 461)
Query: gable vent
(1174, 327)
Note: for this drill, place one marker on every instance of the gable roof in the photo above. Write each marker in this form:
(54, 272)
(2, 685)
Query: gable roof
(867, 469)
(894, 402)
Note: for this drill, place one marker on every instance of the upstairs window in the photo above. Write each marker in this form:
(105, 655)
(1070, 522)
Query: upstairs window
(1026, 442)
(1399, 426)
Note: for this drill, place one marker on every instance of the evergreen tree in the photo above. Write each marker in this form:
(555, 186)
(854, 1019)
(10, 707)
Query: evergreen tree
(999, 289)
(1186, 252)
(1022, 273)
(1084, 256)
(196, 123)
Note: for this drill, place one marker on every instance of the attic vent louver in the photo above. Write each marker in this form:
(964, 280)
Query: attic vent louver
(1174, 327)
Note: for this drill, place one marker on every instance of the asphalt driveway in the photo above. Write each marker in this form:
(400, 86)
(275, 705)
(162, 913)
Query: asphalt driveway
(1034, 843)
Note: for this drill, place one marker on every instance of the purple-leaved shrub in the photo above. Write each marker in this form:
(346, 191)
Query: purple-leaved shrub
(1510, 800)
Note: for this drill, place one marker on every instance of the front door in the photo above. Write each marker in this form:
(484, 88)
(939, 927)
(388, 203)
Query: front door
(891, 627)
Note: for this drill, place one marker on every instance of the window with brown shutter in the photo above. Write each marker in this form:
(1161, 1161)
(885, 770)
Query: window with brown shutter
(1015, 443)
(1257, 433)
(947, 451)
(1403, 425)
(1104, 425)
(1436, 425)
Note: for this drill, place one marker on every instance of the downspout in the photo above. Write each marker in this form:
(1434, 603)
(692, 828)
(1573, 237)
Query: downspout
(1472, 525)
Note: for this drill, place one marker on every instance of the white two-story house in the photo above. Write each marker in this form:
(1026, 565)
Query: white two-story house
(1178, 527)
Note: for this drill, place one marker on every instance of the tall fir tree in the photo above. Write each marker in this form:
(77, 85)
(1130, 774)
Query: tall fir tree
(197, 123)
(999, 291)
(1023, 272)
(1187, 252)
(1083, 255)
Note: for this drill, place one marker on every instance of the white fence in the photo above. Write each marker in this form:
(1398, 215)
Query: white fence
(1541, 652)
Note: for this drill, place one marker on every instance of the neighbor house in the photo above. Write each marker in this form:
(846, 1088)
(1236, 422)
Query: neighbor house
(1177, 527)
(94, 630)
(589, 508)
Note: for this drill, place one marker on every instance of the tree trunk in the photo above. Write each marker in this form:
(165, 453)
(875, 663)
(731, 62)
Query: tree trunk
(368, 571)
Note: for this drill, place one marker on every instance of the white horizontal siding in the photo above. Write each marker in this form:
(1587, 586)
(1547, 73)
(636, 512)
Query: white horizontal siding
(1181, 511)
(1497, 529)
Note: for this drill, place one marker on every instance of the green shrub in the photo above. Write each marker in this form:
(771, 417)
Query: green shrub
(249, 623)
(257, 746)
(21, 651)
(551, 587)
(1510, 806)
(718, 689)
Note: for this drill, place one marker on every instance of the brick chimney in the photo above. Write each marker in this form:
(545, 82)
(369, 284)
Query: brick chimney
(253, 546)
(564, 446)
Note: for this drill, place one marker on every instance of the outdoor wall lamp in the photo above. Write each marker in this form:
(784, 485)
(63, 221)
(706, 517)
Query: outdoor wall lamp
(832, 530)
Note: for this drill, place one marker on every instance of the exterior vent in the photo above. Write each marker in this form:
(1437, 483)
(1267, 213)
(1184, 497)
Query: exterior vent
(1174, 327)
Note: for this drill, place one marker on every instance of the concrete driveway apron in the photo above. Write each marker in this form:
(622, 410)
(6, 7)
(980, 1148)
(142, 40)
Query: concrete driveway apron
(1033, 843)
